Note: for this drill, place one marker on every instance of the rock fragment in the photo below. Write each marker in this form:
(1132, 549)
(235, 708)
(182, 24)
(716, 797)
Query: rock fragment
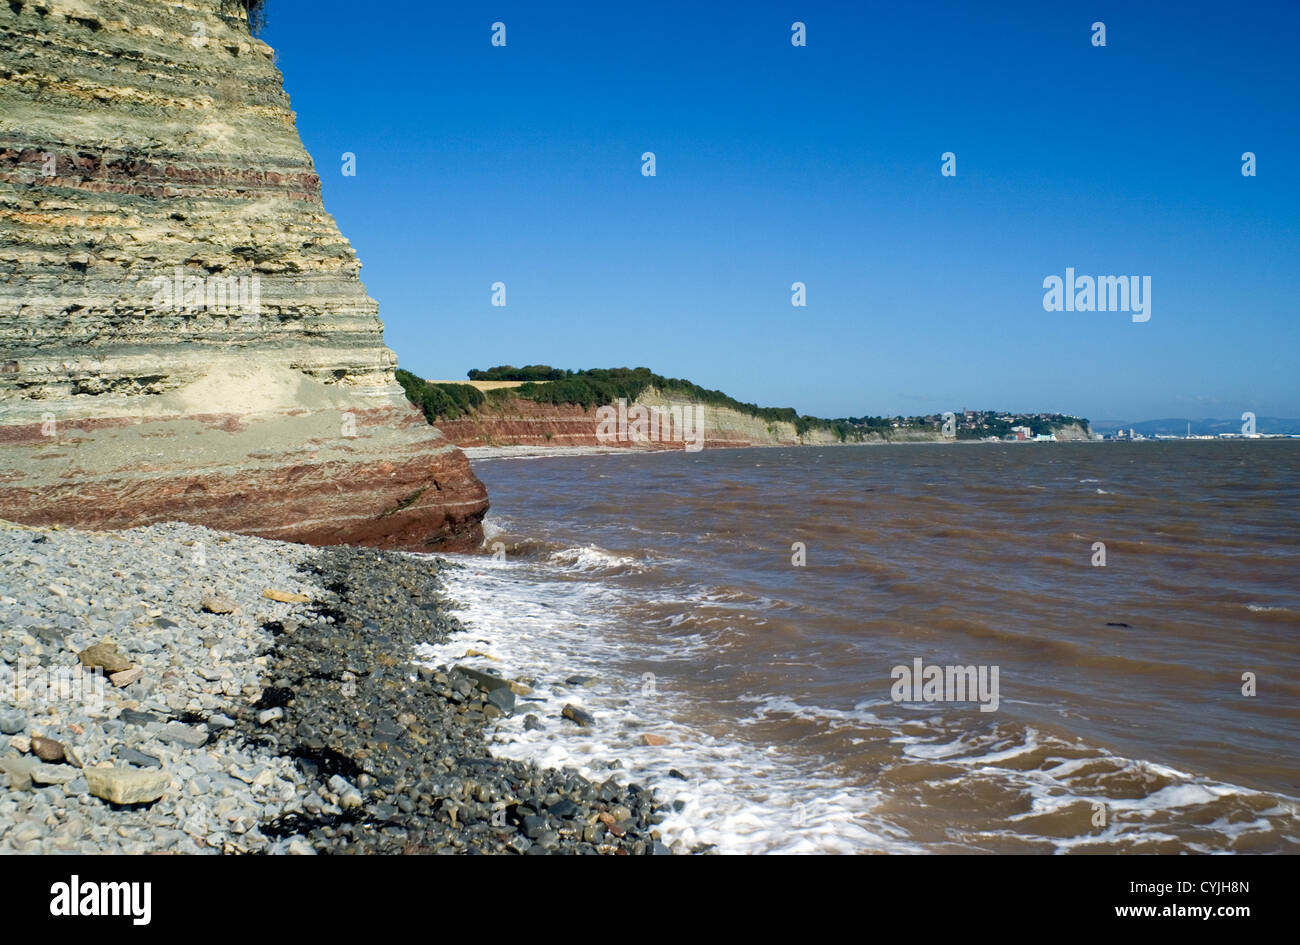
(126, 677)
(127, 785)
(582, 717)
(104, 656)
(47, 749)
(285, 597)
(215, 604)
(191, 736)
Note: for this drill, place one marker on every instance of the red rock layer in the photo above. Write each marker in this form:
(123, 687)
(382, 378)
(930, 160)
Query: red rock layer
(396, 483)
(518, 422)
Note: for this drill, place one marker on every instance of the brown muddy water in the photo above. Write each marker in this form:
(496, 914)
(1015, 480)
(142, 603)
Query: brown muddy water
(1119, 722)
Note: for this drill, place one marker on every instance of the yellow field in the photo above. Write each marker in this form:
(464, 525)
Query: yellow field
(485, 385)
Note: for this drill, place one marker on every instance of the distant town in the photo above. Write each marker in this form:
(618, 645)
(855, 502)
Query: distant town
(996, 427)
(1245, 427)
(1134, 436)
(984, 425)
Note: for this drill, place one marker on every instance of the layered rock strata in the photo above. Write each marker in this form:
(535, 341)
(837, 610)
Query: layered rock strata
(183, 330)
(517, 421)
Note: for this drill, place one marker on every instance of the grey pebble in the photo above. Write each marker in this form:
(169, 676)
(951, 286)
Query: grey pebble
(12, 721)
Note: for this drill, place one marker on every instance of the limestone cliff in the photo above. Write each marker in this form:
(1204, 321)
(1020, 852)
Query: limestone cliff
(183, 329)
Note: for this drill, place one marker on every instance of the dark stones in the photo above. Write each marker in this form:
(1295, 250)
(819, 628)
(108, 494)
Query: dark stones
(274, 697)
(583, 718)
(138, 758)
(416, 736)
(503, 699)
(533, 824)
(563, 809)
(485, 681)
(133, 717)
(388, 730)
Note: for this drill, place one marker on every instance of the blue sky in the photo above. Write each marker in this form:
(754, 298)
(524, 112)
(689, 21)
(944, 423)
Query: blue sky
(776, 164)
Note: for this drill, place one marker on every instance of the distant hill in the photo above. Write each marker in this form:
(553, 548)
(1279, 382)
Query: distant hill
(1177, 426)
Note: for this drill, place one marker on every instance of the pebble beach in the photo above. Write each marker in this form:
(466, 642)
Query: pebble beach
(177, 689)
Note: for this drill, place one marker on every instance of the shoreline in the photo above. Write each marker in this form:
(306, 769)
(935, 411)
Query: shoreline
(483, 453)
(254, 725)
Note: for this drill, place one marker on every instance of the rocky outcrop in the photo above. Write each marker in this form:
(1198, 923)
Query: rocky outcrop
(183, 330)
(1075, 433)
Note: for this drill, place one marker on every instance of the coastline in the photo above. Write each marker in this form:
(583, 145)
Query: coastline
(482, 453)
(247, 724)
(475, 453)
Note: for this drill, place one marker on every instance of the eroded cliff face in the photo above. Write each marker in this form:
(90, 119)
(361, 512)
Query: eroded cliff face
(519, 422)
(516, 421)
(183, 329)
(1074, 433)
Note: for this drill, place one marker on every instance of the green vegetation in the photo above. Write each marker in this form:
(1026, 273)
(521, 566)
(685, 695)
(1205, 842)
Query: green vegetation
(508, 372)
(440, 401)
(865, 426)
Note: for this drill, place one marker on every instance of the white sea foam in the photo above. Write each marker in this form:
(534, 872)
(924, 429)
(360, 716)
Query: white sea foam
(1055, 783)
(588, 558)
(738, 797)
(769, 706)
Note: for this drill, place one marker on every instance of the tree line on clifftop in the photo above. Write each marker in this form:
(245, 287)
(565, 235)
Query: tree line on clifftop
(598, 387)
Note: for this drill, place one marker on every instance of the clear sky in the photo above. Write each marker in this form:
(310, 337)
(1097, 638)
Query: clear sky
(821, 164)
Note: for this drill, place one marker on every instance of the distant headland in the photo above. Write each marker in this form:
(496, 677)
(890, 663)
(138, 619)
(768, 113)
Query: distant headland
(542, 406)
